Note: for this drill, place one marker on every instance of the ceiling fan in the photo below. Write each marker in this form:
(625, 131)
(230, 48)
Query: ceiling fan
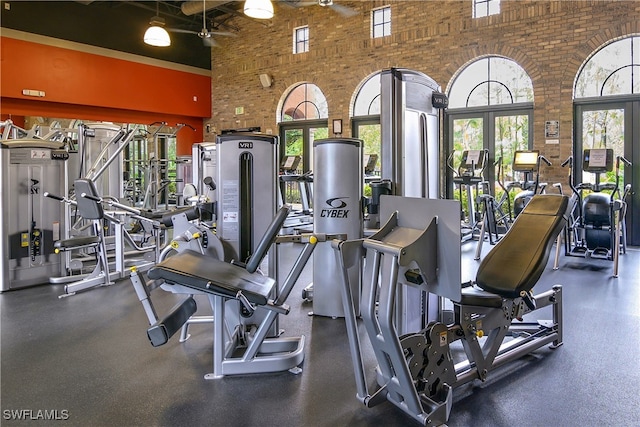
(204, 33)
(345, 11)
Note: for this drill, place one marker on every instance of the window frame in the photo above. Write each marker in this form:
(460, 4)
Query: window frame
(384, 25)
(304, 30)
(482, 8)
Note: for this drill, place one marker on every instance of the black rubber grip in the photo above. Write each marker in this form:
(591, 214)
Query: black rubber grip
(90, 197)
(53, 196)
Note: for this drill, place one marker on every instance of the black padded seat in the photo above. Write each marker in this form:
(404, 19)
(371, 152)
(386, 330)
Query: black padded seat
(76, 242)
(516, 263)
(207, 274)
(473, 295)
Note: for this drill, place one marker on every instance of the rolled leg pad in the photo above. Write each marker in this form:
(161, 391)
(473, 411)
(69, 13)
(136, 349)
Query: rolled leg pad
(160, 332)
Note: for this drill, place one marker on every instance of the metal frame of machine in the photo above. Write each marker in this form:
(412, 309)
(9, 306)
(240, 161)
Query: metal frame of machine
(416, 248)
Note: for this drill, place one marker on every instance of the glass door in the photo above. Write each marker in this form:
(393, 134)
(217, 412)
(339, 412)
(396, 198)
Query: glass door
(296, 139)
(614, 125)
(368, 130)
(500, 132)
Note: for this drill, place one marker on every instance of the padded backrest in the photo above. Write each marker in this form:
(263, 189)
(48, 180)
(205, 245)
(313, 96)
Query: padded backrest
(191, 212)
(518, 260)
(88, 209)
(596, 209)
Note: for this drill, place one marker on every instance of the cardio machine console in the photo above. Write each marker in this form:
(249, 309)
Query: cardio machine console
(525, 160)
(472, 160)
(597, 160)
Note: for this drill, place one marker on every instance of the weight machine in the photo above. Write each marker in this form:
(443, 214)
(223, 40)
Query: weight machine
(238, 347)
(419, 248)
(88, 205)
(28, 229)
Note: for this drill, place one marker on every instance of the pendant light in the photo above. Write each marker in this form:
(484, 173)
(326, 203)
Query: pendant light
(156, 35)
(259, 9)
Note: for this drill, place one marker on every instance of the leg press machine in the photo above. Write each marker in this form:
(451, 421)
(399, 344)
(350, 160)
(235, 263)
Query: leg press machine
(417, 248)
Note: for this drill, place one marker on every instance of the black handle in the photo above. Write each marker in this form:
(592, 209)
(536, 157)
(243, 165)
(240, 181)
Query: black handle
(90, 197)
(53, 196)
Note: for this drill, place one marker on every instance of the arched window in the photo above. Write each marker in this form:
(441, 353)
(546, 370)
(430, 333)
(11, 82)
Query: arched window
(612, 70)
(606, 105)
(302, 119)
(304, 102)
(490, 108)
(490, 81)
(367, 100)
(365, 124)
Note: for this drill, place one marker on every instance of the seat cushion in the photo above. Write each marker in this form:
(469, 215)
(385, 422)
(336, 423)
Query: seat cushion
(518, 260)
(473, 295)
(208, 274)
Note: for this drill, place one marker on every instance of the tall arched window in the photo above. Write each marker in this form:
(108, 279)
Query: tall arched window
(302, 117)
(365, 124)
(607, 115)
(490, 107)
(367, 100)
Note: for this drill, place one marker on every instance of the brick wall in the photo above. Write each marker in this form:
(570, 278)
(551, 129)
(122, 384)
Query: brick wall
(549, 39)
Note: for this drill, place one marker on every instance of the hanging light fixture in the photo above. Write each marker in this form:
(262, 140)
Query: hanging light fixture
(156, 35)
(259, 9)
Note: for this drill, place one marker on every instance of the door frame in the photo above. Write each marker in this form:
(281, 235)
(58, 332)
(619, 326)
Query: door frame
(488, 115)
(631, 106)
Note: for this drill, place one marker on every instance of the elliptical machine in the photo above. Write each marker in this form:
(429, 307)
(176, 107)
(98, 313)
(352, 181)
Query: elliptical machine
(496, 212)
(467, 176)
(596, 228)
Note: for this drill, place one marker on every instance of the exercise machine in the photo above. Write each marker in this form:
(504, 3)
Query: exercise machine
(337, 165)
(410, 104)
(88, 205)
(238, 348)
(495, 213)
(29, 228)
(597, 226)
(417, 372)
(468, 177)
(527, 163)
(295, 187)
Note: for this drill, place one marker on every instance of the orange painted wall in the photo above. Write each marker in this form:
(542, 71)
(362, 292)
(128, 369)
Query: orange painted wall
(81, 85)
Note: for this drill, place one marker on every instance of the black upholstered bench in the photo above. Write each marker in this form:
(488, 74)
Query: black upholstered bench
(207, 274)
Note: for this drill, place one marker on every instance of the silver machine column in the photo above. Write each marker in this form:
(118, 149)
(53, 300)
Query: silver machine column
(337, 208)
(247, 193)
(28, 225)
(409, 119)
(247, 185)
